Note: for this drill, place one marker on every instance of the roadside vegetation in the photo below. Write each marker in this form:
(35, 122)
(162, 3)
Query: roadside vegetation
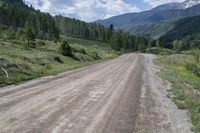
(183, 72)
(35, 44)
(20, 63)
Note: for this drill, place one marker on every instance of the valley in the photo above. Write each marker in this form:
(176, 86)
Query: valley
(99, 66)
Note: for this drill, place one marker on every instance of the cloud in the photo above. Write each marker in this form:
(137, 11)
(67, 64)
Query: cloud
(154, 3)
(87, 10)
(91, 10)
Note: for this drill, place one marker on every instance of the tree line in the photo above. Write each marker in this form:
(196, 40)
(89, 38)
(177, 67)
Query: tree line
(77, 28)
(14, 15)
(17, 16)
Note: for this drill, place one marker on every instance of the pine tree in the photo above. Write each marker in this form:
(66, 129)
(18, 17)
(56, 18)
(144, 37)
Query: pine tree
(178, 45)
(66, 49)
(29, 32)
(149, 42)
(158, 43)
(111, 28)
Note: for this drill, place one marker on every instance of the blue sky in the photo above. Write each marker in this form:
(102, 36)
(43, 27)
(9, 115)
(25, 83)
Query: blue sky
(91, 10)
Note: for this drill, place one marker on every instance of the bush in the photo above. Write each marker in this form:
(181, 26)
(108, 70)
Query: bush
(58, 59)
(32, 44)
(196, 54)
(193, 67)
(41, 43)
(82, 57)
(161, 51)
(178, 46)
(66, 49)
(79, 49)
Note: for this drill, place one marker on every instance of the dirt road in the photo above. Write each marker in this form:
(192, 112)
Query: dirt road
(124, 95)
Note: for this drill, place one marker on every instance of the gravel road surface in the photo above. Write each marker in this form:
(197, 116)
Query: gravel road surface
(124, 95)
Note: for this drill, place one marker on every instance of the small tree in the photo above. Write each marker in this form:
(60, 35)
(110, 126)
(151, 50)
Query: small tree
(29, 32)
(177, 46)
(116, 41)
(66, 49)
(111, 28)
(158, 43)
(149, 42)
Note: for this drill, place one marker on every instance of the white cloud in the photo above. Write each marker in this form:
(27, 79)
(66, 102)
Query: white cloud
(154, 3)
(88, 10)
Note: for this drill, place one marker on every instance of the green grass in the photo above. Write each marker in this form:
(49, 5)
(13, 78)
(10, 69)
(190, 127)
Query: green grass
(24, 64)
(160, 51)
(185, 84)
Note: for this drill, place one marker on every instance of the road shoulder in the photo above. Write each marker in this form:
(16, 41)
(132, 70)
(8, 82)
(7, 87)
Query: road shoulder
(157, 112)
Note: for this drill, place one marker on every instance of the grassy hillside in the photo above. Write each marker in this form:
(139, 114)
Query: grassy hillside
(25, 64)
(184, 74)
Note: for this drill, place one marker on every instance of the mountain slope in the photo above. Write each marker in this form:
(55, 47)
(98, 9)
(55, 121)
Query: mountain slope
(183, 28)
(154, 30)
(148, 21)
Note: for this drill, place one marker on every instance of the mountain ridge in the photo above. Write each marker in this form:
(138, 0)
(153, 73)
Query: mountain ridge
(156, 16)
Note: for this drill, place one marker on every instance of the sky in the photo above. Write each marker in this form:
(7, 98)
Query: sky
(92, 10)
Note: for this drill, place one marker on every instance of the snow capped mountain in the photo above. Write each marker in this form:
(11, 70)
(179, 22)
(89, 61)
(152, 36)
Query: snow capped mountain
(178, 5)
(190, 3)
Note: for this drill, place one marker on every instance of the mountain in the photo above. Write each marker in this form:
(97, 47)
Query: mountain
(178, 5)
(190, 3)
(147, 22)
(184, 28)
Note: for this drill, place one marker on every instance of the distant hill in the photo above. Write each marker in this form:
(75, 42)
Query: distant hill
(154, 22)
(188, 27)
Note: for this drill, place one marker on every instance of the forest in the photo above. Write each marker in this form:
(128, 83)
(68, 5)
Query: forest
(15, 14)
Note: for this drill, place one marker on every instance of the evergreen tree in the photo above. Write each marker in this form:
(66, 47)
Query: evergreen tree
(111, 28)
(116, 41)
(150, 43)
(137, 42)
(177, 46)
(66, 49)
(158, 43)
(28, 29)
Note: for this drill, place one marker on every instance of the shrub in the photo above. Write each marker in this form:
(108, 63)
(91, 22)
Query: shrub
(79, 49)
(33, 44)
(41, 43)
(196, 54)
(178, 46)
(66, 49)
(58, 59)
(193, 67)
(82, 57)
